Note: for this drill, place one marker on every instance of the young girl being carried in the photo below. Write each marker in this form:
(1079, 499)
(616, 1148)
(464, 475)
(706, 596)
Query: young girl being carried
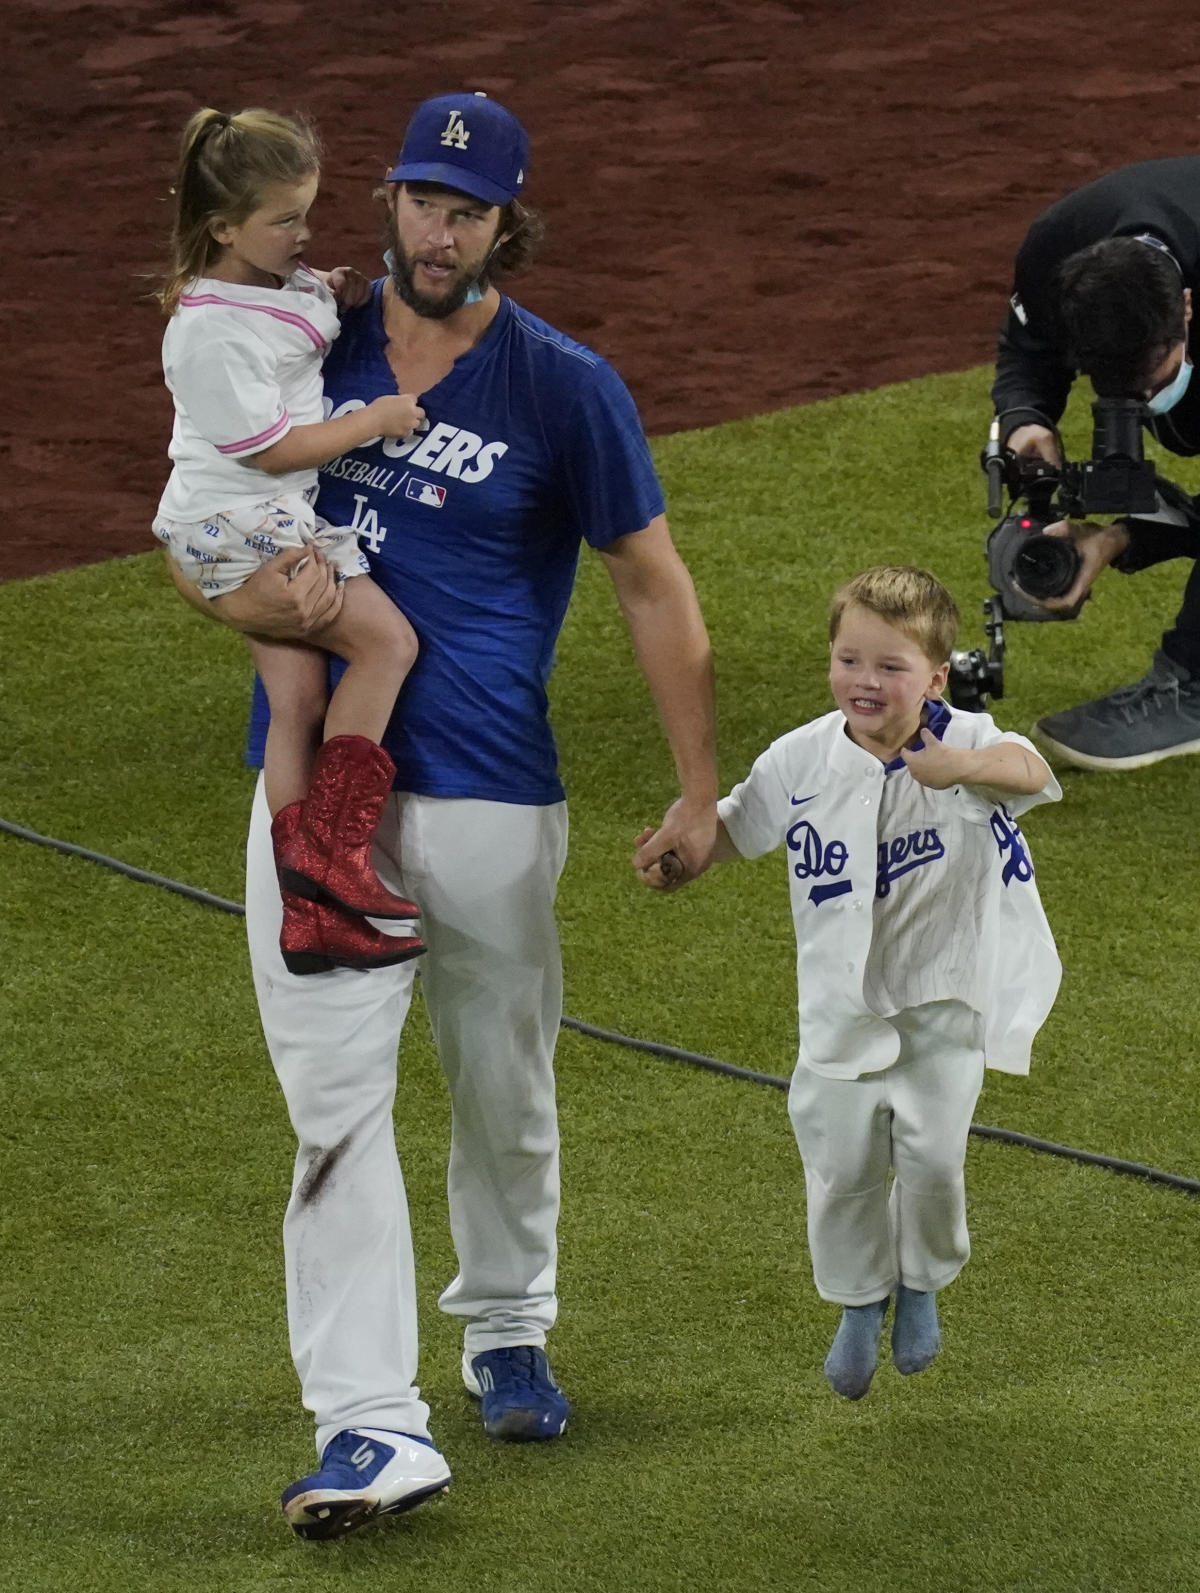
(249, 328)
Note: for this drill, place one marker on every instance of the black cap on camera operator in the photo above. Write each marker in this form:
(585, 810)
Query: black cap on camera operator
(1103, 285)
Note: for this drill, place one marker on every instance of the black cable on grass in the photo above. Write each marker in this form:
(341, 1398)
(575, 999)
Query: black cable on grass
(696, 1058)
(140, 874)
(1115, 1164)
(1006, 1136)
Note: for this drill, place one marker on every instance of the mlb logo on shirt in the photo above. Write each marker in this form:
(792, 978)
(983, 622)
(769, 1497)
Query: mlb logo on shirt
(426, 492)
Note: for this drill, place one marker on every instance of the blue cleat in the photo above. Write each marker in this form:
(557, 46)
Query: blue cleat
(364, 1473)
(519, 1399)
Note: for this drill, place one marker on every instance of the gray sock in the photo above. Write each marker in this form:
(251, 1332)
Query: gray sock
(916, 1336)
(853, 1355)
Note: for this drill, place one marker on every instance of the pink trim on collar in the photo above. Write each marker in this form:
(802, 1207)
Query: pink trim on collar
(190, 300)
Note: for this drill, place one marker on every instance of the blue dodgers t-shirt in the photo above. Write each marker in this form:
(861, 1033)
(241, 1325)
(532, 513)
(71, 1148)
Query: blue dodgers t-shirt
(473, 527)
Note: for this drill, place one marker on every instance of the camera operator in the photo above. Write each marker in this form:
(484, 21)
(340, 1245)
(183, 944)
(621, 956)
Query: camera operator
(1103, 285)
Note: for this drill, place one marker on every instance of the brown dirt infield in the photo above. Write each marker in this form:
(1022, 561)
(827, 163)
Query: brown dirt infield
(750, 205)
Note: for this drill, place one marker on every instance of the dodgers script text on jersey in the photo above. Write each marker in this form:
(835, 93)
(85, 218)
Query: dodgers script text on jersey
(473, 528)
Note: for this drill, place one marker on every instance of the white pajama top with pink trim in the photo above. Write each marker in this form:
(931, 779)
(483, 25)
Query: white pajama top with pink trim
(243, 365)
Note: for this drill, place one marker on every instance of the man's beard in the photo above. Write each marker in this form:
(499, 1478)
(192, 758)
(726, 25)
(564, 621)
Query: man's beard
(400, 269)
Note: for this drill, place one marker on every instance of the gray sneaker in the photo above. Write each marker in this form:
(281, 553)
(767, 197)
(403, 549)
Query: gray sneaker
(1157, 717)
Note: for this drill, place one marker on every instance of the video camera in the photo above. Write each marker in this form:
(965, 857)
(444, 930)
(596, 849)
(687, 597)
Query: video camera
(1024, 564)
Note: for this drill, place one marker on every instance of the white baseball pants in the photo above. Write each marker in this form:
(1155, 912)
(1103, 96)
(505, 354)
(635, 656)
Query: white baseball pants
(485, 875)
(909, 1121)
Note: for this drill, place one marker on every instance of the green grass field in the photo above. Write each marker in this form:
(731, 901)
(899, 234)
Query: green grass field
(149, 1410)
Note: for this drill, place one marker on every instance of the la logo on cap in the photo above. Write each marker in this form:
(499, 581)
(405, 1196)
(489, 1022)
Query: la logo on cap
(455, 135)
(439, 148)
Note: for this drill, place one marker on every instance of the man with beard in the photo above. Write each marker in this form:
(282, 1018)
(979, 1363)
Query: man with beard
(531, 444)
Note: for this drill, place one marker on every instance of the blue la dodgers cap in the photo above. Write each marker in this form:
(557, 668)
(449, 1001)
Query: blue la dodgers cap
(467, 142)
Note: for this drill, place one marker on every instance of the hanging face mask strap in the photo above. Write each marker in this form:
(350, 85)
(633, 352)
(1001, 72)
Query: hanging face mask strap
(474, 292)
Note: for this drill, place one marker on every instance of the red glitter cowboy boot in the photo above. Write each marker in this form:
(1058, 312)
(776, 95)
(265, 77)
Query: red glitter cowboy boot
(329, 856)
(316, 936)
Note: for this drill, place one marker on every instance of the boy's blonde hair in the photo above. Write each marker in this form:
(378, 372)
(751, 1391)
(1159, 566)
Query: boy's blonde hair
(226, 164)
(912, 600)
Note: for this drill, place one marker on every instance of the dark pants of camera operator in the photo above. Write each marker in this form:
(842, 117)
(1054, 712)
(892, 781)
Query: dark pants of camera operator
(1150, 543)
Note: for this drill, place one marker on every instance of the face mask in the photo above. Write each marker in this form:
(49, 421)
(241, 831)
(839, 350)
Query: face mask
(1167, 397)
(474, 296)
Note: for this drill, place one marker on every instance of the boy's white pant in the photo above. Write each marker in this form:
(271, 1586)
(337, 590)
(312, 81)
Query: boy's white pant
(911, 1119)
(485, 875)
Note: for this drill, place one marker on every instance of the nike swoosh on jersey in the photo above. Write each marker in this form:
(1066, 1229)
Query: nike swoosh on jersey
(798, 802)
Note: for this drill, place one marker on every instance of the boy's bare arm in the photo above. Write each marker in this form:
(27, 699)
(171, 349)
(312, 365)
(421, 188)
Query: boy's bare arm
(668, 873)
(1006, 767)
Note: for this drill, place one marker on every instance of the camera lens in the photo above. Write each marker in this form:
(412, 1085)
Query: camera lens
(1046, 566)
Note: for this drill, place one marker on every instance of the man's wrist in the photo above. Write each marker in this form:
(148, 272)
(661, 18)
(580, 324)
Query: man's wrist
(1115, 541)
(1010, 420)
(971, 762)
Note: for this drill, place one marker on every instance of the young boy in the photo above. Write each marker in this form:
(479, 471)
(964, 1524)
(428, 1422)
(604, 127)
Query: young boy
(923, 953)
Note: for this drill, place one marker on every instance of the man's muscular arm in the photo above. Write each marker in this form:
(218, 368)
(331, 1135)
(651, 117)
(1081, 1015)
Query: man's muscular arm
(660, 607)
(668, 873)
(286, 598)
